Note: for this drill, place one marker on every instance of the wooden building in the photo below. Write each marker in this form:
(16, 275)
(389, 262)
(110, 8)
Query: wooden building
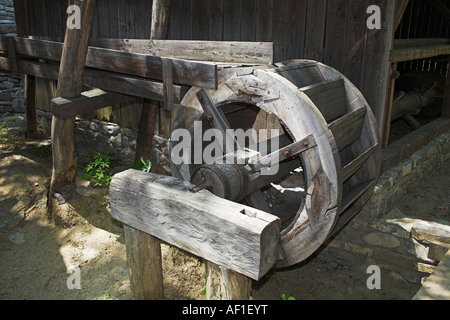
(412, 35)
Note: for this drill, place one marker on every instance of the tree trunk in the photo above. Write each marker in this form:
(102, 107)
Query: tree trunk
(70, 84)
(146, 129)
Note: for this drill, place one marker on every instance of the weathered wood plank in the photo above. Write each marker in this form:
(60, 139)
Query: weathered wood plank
(347, 129)
(407, 54)
(191, 73)
(226, 233)
(213, 51)
(357, 163)
(107, 81)
(329, 97)
(87, 102)
(446, 99)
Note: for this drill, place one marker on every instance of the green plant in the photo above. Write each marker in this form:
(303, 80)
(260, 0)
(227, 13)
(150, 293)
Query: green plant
(9, 140)
(99, 170)
(204, 290)
(283, 297)
(43, 150)
(143, 165)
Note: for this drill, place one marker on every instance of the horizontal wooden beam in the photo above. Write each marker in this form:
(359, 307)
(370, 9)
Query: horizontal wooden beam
(107, 81)
(185, 72)
(229, 234)
(87, 102)
(213, 51)
(419, 42)
(419, 49)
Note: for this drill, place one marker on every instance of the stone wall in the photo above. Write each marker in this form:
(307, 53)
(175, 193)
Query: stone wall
(12, 103)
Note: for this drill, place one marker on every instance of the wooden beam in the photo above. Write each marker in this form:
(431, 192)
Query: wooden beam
(144, 264)
(161, 10)
(88, 101)
(213, 51)
(191, 73)
(407, 54)
(229, 234)
(107, 81)
(400, 12)
(446, 100)
(419, 42)
(225, 284)
(29, 88)
(70, 84)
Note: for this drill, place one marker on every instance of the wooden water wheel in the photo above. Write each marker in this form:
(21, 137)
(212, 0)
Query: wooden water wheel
(328, 148)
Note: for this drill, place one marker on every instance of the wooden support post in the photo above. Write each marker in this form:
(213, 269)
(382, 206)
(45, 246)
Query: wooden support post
(390, 101)
(144, 265)
(225, 284)
(147, 123)
(446, 101)
(229, 234)
(70, 84)
(29, 83)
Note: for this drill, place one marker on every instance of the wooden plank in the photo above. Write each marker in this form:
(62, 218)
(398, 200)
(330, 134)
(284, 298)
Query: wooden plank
(228, 234)
(296, 26)
(357, 163)
(248, 20)
(144, 264)
(315, 32)
(264, 9)
(301, 76)
(329, 97)
(107, 81)
(355, 42)
(231, 20)
(168, 84)
(356, 192)
(191, 73)
(399, 13)
(446, 99)
(279, 26)
(335, 51)
(347, 129)
(400, 55)
(212, 51)
(419, 42)
(87, 102)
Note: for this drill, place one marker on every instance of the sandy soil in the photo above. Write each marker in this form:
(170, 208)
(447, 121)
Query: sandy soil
(38, 258)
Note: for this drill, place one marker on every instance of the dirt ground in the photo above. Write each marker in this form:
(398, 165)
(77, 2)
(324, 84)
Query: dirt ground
(38, 259)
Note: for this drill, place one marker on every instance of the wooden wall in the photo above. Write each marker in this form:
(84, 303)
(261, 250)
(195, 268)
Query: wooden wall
(330, 31)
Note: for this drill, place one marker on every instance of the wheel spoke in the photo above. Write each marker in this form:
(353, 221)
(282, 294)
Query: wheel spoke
(282, 154)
